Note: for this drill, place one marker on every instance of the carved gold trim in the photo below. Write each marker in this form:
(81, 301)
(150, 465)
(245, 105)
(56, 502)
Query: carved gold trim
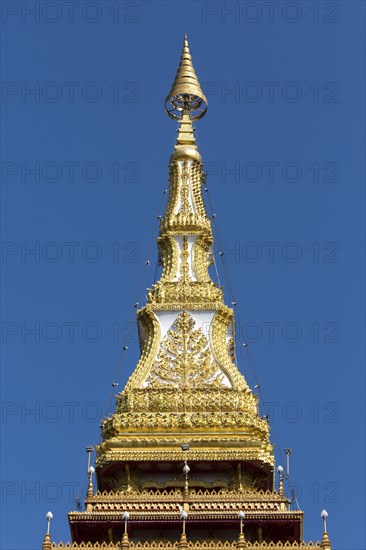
(188, 294)
(200, 257)
(174, 188)
(223, 399)
(199, 545)
(218, 335)
(184, 360)
(168, 252)
(189, 421)
(151, 327)
(105, 455)
(197, 179)
(247, 496)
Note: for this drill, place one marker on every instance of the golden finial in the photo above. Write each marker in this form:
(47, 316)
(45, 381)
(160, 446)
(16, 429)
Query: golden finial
(46, 543)
(47, 539)
(183, 537)
(325, 544)
(125, 541)
(183, 541)
(90, 493)
(91, 472)
(281, 489)
(241, 539)
(90, 485)
(186, 470)
(186, 95)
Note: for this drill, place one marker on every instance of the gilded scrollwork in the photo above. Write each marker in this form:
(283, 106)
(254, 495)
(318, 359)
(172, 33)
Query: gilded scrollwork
(187, 421)
(124, 480)
(168, 253)
(201, 257)
(251, 498)
(219, 328)
(185, 207)
(174, 186)
(166, 399)
(184, 359)
(185, 182)
(196, 185)
(106, 454)
(173, 296)
(151, 340)
(184, 265)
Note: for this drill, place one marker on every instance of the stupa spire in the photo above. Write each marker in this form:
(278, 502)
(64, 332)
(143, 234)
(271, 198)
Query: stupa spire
(186, 401)
(187, 333)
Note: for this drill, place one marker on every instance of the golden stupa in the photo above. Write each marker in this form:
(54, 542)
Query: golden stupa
(186, 459)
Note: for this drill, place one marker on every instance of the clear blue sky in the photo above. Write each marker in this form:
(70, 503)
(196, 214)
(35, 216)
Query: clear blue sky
(292, 212)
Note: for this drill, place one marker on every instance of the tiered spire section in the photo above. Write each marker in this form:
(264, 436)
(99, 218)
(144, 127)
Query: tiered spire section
(186, 384)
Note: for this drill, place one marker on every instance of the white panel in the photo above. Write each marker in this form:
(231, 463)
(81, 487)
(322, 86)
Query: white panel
(191, 241)
(203, 320)
(179, 240)
(166, 320)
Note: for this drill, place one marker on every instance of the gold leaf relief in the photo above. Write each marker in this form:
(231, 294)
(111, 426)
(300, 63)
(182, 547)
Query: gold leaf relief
(184, 359)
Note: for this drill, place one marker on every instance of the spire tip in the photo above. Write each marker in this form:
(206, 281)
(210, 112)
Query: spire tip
(186, 95)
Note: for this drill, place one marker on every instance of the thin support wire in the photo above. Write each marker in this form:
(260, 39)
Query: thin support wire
(229, 285)
(126, 340)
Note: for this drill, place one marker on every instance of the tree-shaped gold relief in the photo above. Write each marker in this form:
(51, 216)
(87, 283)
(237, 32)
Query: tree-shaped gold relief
(184, 359)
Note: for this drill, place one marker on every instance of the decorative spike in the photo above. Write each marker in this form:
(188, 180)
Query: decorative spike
(47, 539)
(47, 542)
(90, 493)
(183, 541)
(186, 95)
(125, 542)
(281, 489)
(90, 488)
(325, 544)
(281, 492)
(241, 541)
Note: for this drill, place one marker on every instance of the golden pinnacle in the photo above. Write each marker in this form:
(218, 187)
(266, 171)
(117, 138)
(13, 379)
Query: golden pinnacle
(186, 95)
